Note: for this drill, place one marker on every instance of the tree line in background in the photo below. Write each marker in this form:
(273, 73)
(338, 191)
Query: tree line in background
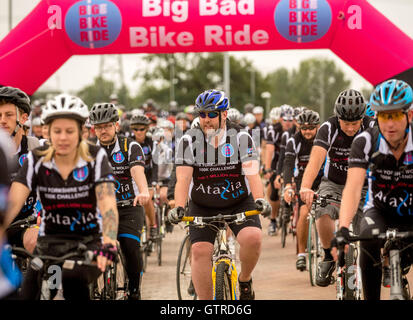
(183, 76)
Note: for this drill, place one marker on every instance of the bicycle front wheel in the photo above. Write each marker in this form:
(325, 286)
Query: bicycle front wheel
(223, 288)
(184, 285)
(313, 250)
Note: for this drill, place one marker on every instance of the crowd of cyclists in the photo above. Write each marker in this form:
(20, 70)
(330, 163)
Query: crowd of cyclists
(87, 174)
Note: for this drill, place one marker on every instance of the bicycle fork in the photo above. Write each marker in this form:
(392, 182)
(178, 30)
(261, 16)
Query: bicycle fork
(224, 258)
(396, 289)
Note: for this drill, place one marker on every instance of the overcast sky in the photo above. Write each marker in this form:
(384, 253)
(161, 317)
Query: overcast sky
(79, 71)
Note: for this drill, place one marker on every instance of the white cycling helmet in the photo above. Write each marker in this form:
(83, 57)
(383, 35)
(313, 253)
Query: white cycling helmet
(275, 114)
(234, 115)
(65, 106)
(166, 124)
(195, 123)
(249, 119)
(258, 110)
(287, 112)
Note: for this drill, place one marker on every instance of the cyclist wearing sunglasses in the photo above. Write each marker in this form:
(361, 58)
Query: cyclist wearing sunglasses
(297, 155)
(387, 151)
(332, 145)
(218, 170)
(127, 161)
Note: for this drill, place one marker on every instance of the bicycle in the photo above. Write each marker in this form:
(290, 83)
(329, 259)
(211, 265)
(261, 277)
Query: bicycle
(20, 261)
(348, 275)
(289, 219)
(42, 264)
(184, 284)
(314, 248)
(113, 283)
(400, 255)
(224, 272)
(160, 212)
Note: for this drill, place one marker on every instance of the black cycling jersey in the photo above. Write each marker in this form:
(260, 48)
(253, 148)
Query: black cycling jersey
(338, 144)
(151, 170)
(297, 155)
(5, 151)
(390, 187)
(218, 180)
(124, 154)
(68, 206)
(18, 160)
(273, 136)
(283, 143)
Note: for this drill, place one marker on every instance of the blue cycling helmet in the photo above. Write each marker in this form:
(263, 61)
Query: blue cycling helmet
(390, 95)
(369, 112)
(212, 100)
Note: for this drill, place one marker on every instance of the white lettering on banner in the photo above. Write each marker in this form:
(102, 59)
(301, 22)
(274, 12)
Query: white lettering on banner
(214, 35)
(178, 9)
(158, 36)
(226, 7)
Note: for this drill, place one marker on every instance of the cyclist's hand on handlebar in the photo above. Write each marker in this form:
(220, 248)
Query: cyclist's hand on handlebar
(277, 182)
(307, 196)
(176, 214)
(105, 255)
(171, 203)
(288, 194)
(141, 199)
(340, 242)
(263, 206)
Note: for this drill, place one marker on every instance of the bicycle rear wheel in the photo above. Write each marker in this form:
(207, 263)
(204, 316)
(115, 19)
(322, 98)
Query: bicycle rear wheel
(222, 282)
(184, 285)
(313, 250)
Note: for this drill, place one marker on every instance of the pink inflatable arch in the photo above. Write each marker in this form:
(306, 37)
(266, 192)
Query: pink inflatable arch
(57, 29)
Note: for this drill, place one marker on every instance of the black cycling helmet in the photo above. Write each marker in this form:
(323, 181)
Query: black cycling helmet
(308, 117)
(140, 120)
(16, 97)
(103, 113)
(350, 105)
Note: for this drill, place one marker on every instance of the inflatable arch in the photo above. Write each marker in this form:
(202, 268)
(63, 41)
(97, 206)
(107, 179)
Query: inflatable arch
(57, 29)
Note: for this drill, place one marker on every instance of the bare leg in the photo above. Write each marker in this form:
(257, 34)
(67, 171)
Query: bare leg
(325, 229)
(249, 239)
(302, 229)
(201, 265)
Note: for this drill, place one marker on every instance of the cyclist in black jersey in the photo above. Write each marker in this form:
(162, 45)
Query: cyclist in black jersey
(127, 161)
(14, 111)
(332, 146)
(297, 155)
(140, 126)
(271, 160)
(76, 187)
(218, 168)
(385, 153)
(10, 278)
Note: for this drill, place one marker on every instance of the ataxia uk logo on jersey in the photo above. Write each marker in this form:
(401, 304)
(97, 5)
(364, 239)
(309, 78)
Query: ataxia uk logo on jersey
(93, 23)
(303, 20)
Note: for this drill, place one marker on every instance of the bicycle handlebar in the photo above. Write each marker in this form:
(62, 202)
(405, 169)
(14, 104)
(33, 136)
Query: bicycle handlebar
(390, 234)
(221, 218)
(23, 222)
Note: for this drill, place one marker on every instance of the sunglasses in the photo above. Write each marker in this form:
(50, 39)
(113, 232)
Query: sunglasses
(211, 115)
(395, 116)
(309, 127)
(138, 129)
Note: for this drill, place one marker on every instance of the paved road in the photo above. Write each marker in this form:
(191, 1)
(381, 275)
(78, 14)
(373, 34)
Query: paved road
(275, 277)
